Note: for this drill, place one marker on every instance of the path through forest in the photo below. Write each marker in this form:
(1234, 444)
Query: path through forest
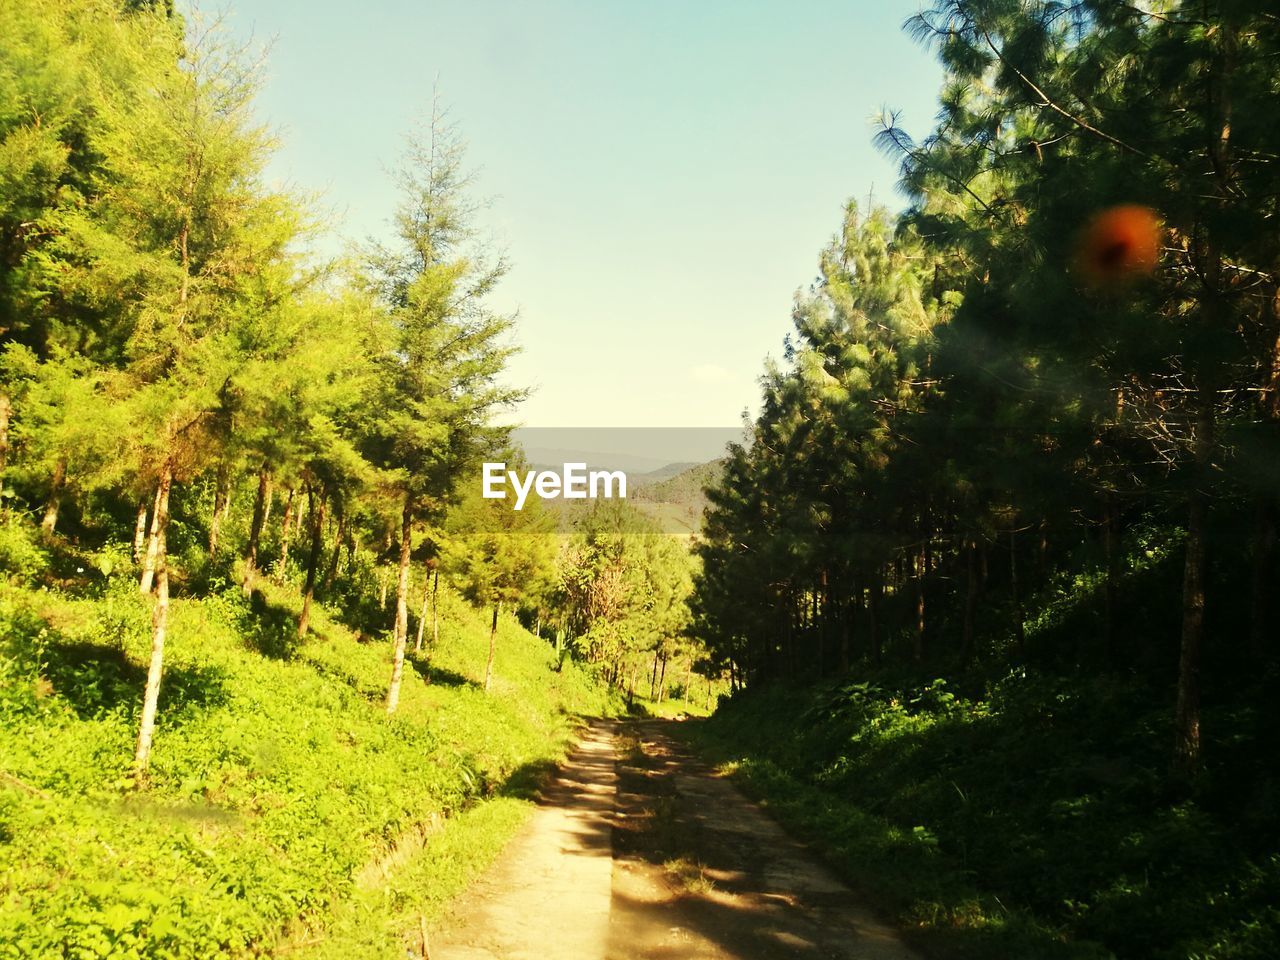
(640, 852)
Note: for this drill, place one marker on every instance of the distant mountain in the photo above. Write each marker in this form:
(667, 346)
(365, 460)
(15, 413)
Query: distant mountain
(679, 498)
(666, 472)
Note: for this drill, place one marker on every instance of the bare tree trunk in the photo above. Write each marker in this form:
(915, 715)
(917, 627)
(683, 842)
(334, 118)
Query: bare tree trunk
(261, 504)
(493, 641)
(159, 627)
(846, 633)
(331, 574)
(402, 606)
(6, 412)
(1186, 754)
(653, 677)
(821, 610)
(1019, 631)
(1042, 553)
(221, 501)
(873, 611)
(422, 616)
(54, 503)
(917, 633)
(970, 602)
(1265, 526)
(140, 531)
(153, 541)
(315, 510)
(1264, 541)
(1112, 559)
(435, 607)
(285, 529)
(662, 681)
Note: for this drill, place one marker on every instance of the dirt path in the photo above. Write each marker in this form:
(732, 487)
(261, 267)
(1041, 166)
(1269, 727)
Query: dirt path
(548, 894)
(655, 857)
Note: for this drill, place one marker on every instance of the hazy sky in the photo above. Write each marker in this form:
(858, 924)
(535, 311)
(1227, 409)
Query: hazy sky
(663, 173)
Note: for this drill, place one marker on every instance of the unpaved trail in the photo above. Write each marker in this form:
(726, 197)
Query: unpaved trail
(640, 852)
(548, 894)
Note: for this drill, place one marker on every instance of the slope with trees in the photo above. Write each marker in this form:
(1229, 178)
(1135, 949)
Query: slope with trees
(1004, 528)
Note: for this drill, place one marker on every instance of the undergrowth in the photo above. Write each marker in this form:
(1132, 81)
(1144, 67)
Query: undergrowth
(276, 775)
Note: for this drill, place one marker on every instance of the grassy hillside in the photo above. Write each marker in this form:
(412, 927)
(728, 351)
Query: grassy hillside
(676, 502)
(278, 788)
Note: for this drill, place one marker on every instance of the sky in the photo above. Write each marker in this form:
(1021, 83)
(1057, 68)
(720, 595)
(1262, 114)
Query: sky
(661, 174)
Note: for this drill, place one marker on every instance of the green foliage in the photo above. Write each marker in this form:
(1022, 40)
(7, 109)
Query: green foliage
(22, 558)
(273, 782)
(1028, 817)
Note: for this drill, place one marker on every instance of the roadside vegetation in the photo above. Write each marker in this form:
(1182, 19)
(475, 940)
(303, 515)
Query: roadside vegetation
(271, 677)
(995, 572)
(277, 785)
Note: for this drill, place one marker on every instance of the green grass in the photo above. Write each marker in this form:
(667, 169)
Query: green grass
(276, 778)
(1031, 818)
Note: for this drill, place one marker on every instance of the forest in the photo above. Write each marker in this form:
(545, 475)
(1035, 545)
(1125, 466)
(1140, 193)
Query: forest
(983, 606)
(256, 629)
(998, 556)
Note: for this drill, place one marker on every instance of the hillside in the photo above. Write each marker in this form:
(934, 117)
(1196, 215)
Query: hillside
(277, 783)
(677, 500)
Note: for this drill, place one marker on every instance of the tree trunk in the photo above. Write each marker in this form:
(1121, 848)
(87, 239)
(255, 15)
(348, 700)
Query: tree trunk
(917, 633)
(873, 616)
(970, 602)
(1042, 553)
(662, 681)
(54, 502)
(422, 616)
(435, 607)
(846, 633)
(653, 677)
(1264, 541)
(6, 412)
(153, 538)
(1112, 559)
(140, 531)
(790, 639)
(402, 580)
(340, 535)
(285, 530)
(1019, 631)
(688, 678)
(493, 641)
(159, 626)
(1265, 526)
(401, 632)
(820, 612)
(221, 498)
(1186, 754)
(261, 504)
(315, 511)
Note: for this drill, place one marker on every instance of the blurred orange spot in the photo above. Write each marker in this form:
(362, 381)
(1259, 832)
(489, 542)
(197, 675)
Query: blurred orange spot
(1119, 244)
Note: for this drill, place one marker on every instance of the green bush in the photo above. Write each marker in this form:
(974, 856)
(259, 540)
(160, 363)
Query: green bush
(1032, 817)
(22, 558)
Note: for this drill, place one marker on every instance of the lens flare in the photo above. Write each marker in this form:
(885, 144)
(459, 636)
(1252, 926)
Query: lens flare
(1119, 245)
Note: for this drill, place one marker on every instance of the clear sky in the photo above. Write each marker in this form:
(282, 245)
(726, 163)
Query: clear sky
(663, 173)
